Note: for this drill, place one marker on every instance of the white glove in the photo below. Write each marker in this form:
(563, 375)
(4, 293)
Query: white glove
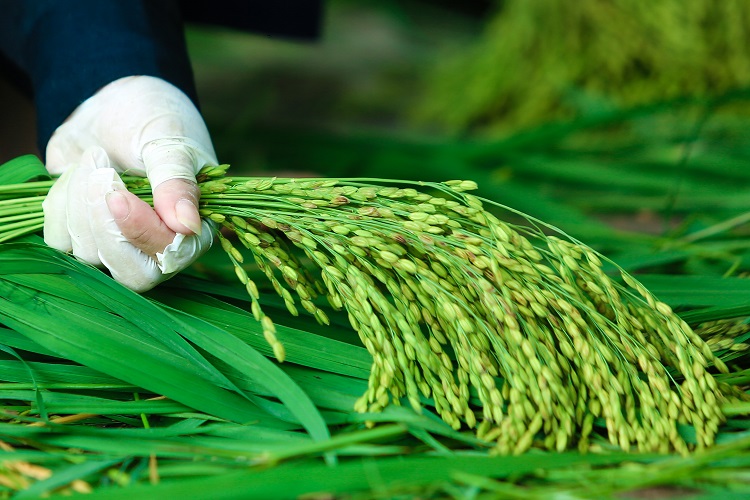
(139, 125)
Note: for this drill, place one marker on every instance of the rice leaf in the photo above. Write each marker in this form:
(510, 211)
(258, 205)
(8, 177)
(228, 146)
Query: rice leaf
(22, 169)
(110, 344)
(385, 477)
(302, 347)
(694, 291)
(29, 371)
(15, 340)
(46, 374)
(257, 368)
(63, 476)
(60, 402)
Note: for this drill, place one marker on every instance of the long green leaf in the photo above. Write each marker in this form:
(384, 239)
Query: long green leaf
(22, 169)
(392, 475)
(302, 347)
(682, 291)
(259, 369)
(111, 345)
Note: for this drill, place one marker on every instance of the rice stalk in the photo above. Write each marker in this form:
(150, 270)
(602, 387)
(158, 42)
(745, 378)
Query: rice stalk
(504, 329)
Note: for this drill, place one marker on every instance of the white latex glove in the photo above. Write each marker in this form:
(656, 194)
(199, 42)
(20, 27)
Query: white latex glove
(139, 125)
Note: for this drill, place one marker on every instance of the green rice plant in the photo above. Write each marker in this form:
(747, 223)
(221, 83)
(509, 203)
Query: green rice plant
(537, 61)
(512, 330)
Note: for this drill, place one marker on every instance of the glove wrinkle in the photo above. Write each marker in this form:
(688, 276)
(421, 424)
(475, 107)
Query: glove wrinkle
(184, 250)
(80, 202)
(174, 158)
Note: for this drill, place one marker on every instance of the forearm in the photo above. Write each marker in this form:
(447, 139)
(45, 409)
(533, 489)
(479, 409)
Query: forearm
(70, 49)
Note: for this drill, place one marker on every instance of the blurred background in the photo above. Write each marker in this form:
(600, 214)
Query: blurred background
(622, 122)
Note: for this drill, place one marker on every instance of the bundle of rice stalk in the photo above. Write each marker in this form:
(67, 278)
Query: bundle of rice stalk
(503, 328)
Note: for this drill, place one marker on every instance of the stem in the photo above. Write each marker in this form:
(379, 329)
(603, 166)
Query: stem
(31, 228)
(27, 187)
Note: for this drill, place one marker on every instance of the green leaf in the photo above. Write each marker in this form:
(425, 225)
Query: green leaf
(22, 169)
(113, 345)
(257, 368)
(385, 477)
(63, 476)
(693, 291)
(302, 347)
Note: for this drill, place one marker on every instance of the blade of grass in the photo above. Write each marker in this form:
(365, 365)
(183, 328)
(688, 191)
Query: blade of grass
(64, 475)
(259, 369)
(110, 344)
(302, 347)
(384, 476)
(22, 169)
(682, 291)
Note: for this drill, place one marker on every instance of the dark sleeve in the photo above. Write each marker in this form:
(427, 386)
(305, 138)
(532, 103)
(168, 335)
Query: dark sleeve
(70, 49)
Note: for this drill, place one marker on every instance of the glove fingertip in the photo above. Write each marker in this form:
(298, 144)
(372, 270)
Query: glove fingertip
(184, 250)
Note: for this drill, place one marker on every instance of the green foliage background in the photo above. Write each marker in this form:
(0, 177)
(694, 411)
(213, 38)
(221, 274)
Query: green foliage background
(538, 60)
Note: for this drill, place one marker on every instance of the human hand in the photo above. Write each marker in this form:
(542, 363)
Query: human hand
(138, 125)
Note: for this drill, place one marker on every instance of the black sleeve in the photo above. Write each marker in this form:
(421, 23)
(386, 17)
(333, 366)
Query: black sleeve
(70, 49)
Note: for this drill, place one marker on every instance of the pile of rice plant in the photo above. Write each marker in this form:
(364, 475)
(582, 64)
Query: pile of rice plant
(503, 328)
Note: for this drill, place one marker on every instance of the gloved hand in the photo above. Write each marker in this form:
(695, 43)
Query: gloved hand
(140, 125)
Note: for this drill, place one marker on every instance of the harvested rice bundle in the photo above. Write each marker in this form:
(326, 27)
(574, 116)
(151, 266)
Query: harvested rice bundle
(502, 328)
